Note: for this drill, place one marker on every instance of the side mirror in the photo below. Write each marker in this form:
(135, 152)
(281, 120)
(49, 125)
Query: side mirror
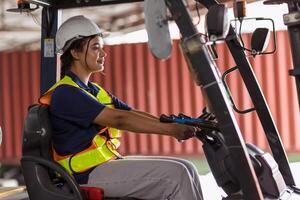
(260, 36)
(260, 40)
(217, 22)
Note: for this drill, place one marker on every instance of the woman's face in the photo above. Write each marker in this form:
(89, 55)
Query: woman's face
(93, 60)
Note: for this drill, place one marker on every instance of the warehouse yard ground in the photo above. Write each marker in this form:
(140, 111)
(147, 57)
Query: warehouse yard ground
(203, 167)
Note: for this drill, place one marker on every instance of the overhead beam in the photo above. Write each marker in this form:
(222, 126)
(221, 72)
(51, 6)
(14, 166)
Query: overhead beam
(65, 4)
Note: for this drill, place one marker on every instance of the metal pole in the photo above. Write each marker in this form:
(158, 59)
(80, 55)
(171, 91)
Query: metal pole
(48, 73)
(261, 108)
(292, 21)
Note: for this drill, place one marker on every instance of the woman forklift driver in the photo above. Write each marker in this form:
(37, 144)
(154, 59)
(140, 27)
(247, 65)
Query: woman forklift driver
(83, 114)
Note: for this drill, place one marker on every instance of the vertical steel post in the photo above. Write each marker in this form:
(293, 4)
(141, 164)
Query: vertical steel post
(48, 73)
(294, 35)
(261, 107)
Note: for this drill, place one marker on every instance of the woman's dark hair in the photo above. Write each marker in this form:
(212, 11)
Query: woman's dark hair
(66, 58)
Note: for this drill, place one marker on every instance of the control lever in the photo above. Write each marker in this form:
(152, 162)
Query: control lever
(183, 119)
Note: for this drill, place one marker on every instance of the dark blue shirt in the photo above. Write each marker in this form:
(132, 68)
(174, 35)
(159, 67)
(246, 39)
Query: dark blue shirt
(72, 113)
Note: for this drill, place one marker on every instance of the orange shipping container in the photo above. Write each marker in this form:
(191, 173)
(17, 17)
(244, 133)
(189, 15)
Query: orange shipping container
(132, 74)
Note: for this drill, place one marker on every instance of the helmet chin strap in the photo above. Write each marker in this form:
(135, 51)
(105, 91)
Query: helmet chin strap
(86, 51)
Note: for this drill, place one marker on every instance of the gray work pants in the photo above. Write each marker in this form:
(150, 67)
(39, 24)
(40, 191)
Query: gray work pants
(148, 178)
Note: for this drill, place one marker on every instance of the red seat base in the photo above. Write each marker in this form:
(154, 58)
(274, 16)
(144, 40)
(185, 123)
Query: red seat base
(92, 193)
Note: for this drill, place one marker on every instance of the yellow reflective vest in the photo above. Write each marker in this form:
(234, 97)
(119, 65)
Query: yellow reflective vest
(102, 149)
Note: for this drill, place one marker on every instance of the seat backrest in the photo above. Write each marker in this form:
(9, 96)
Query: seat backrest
(39, 170)
(37, 132)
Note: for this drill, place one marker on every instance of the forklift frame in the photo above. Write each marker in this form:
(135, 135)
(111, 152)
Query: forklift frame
(206, 73)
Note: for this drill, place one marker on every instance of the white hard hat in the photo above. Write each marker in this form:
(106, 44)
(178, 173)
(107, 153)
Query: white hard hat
(75, 28)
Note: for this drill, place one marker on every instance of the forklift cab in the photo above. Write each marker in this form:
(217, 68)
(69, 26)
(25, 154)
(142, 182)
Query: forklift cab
(230, 159)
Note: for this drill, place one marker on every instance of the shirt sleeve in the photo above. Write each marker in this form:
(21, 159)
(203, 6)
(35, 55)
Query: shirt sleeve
(119, 104)
(74, 105)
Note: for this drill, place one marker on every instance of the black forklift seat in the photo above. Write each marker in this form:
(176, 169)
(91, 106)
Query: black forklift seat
(39, 170)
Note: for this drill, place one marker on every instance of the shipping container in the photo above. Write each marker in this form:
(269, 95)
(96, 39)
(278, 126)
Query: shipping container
(137, 78)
